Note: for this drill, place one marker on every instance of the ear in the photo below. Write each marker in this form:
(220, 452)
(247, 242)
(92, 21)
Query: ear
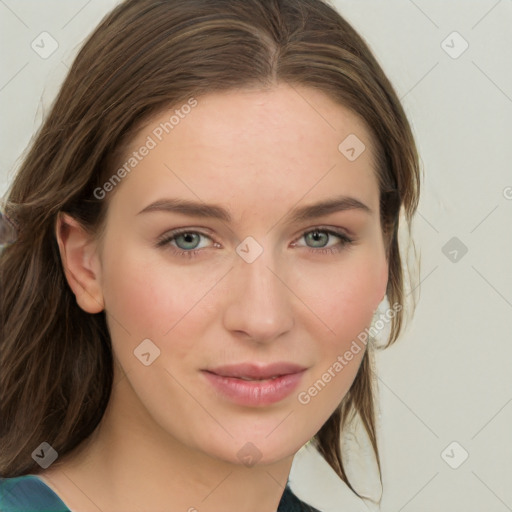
(81, 264)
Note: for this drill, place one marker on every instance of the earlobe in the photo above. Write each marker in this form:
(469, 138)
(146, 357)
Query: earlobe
(80, 263)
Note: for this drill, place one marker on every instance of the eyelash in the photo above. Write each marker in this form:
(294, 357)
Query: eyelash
(166, 239)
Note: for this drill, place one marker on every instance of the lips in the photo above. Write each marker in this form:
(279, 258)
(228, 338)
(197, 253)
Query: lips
(251, 371)
(254, 385)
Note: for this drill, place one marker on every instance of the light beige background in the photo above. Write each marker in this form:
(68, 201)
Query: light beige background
(449, 377)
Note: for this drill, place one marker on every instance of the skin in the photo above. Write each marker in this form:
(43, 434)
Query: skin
(168, 441)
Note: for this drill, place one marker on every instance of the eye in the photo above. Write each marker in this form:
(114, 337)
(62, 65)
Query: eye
(183, 242)
(320, 238)
(187, 243)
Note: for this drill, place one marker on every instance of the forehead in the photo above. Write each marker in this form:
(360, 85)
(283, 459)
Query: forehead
(249, 147)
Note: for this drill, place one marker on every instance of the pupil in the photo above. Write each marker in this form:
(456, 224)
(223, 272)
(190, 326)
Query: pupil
(188, 238)
(316, 235)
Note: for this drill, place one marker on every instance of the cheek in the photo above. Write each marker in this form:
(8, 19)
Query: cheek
(149, 297)
(345, 299)
(139, 301)
(345, 296)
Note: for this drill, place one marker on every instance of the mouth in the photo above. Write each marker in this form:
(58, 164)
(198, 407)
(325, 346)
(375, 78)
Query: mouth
(250, 380)
(254, 372)
(250, 384)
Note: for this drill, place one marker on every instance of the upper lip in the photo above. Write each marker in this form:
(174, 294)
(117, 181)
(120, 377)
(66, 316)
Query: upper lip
(256, 371)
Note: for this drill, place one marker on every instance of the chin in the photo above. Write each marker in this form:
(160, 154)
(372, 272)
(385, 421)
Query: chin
(251, 449)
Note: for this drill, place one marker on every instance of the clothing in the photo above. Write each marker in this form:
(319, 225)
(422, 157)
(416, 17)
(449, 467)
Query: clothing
(29, 493)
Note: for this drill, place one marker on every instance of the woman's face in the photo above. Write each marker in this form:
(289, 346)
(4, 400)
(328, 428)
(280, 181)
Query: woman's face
(257, 283)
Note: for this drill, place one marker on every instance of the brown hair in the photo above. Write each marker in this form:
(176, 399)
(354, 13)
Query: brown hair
(56, 361)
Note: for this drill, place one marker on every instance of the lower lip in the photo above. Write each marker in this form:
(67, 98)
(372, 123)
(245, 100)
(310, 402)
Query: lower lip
(255, 392)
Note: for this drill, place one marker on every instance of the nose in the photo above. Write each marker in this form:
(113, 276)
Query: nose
(260, 304)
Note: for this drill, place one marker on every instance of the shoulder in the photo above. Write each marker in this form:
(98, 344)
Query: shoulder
(28, 494)
(290, 503)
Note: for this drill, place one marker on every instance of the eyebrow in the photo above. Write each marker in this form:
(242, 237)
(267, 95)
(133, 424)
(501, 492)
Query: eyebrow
(298, 214)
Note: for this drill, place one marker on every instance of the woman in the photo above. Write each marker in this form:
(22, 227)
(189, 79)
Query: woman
(207, 222)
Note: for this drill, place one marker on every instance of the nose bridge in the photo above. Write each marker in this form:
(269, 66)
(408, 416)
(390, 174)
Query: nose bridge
(260, 305)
